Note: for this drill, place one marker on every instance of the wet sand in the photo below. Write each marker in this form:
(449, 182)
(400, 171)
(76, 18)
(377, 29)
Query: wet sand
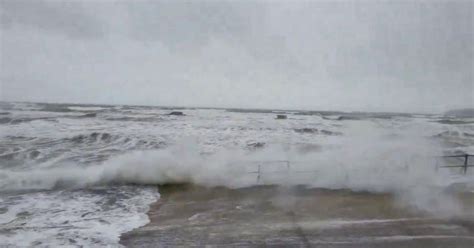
(271, 216)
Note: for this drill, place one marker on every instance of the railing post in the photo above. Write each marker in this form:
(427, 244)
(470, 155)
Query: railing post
(258, 174)
(466, 157)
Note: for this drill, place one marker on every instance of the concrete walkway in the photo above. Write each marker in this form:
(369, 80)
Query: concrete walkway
(270, 216)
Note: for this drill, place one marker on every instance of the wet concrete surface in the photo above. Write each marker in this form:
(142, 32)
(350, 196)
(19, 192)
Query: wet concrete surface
(271, 216)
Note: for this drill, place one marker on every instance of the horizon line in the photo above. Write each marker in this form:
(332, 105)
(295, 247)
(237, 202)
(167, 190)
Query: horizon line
(224, 108)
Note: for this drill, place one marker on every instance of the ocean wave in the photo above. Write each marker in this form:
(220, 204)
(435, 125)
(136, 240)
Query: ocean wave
(118, 141)
(54, 108)
(88, 115)
(87, 108)
(136, 119)
(89, 148)
(15, 120)
(316, 131)
(19, 120)
(73, 218)
(454, 133)
(417, 184)
(380, 166)
(455, 121)
(93, 137)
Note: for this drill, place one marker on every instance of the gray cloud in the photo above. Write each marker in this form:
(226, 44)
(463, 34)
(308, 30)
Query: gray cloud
(397, 56)
(192, 22)
(66, 17)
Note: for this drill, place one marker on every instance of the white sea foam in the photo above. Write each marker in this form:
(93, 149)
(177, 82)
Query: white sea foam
(77, 108)
(92, 217)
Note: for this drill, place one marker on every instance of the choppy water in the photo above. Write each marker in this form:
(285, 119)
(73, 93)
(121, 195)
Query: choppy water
(81, 174)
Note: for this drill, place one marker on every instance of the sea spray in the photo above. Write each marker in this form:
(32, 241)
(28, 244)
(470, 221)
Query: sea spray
(402, 165)
(381, 166)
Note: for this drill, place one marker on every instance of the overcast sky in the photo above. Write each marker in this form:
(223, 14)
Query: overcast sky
(344, 55)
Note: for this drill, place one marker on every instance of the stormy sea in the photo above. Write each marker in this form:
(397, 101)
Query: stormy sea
(82, 175)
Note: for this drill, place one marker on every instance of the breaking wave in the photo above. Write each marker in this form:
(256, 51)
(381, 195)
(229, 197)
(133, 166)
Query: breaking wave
(358, 164)
(378, 166)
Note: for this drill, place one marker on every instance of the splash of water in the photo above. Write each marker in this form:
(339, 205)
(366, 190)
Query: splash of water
(402, 165)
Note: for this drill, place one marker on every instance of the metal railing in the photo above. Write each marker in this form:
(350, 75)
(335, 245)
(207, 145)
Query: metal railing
(286, 164)
(464, 166)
